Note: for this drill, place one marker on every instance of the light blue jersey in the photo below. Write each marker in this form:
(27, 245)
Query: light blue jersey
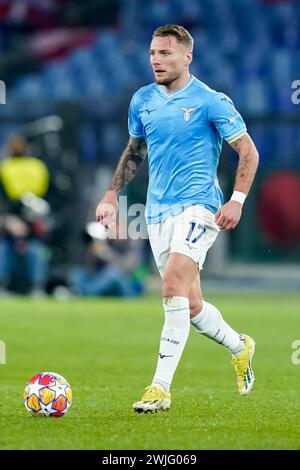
(184, 132)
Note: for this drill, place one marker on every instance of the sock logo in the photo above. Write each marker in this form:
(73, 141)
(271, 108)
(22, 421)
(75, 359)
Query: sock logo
(169, 340)
(164, 355)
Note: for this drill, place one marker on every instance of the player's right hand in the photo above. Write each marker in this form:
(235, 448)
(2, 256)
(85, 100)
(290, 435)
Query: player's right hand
(107, 209)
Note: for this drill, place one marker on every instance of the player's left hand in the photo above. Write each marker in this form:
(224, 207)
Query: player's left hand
(228, 216)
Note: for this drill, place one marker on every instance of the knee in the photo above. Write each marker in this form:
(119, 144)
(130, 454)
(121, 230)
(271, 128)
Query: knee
(171, 286)
(196, 305)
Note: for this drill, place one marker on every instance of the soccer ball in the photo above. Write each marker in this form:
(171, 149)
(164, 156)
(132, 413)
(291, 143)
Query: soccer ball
(47, 394)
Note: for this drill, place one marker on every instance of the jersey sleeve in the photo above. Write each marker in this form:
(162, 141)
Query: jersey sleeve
(227, 120)
(135, 125)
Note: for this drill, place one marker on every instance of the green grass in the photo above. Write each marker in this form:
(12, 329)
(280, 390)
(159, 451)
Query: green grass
(107, 350)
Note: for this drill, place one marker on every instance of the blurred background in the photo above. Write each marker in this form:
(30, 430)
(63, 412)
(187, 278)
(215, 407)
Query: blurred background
(70, 68)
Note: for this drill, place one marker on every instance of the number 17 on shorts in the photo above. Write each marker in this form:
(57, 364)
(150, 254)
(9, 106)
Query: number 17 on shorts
(196, 231)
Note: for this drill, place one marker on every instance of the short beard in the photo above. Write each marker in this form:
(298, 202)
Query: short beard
(166, 81)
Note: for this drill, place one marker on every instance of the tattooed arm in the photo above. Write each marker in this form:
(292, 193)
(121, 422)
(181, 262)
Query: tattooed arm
(128, 166)
(230, 213)
(248, 163)
(129, 163)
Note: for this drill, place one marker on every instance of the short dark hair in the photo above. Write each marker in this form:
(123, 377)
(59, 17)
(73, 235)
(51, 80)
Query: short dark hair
(181, 34)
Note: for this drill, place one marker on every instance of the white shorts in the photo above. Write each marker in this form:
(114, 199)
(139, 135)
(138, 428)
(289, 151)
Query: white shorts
(191, 233)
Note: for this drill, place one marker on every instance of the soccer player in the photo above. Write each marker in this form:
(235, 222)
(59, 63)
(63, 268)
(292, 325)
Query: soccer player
(180, 123)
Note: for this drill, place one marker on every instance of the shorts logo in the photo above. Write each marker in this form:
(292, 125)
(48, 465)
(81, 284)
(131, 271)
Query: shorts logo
(190, 247)
(187, 113)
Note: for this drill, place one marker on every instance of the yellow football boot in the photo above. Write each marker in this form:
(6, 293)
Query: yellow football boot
(154, 399)
(242, 364)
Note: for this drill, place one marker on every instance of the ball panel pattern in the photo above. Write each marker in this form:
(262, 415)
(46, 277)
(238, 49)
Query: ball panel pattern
(47, 394)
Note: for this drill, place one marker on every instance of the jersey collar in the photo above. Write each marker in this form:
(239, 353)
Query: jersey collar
(170, 95)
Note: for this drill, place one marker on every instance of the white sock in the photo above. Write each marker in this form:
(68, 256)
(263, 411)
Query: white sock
(210, 323)
(174, 335)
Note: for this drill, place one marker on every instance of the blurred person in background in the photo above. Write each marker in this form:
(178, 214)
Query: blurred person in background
(180, 123)
(111, 267)
(24, 257)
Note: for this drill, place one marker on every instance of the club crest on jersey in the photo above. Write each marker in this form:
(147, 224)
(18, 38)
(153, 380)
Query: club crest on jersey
(187, 113)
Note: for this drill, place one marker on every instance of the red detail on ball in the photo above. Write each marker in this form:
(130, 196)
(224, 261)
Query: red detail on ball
(57, 415)
(35, 378)
(60, 404)
(47, 380)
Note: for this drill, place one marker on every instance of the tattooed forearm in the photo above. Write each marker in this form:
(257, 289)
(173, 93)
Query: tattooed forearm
(129, 163)
(248, 162)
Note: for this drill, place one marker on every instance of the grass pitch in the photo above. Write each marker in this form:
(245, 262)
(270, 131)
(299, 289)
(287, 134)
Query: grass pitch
(107, 350)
